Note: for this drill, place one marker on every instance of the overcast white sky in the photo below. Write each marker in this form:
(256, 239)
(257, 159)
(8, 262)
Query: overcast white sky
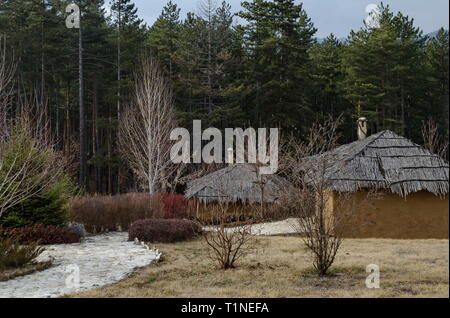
(337, 16)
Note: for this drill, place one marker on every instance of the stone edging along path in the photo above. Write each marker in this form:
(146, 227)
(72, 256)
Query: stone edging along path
(97, 261)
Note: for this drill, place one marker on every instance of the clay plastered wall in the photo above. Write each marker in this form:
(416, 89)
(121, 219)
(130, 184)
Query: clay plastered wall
(421, 216)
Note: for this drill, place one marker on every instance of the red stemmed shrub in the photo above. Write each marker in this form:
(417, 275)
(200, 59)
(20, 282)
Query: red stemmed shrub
(43, 234)
(164, 230)
(176, 206)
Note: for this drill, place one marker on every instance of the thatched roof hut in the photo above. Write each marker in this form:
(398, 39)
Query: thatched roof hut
(237, 183)
(414, 183)
(386, 161)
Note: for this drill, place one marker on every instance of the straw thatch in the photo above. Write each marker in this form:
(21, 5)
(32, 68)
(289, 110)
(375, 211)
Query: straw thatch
(386, 161)
(239, 182)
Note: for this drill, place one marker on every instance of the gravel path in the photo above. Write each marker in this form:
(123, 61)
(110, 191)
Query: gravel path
(288, 226)
(100, 260)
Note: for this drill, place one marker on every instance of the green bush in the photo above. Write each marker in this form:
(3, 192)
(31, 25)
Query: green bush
(48, 208)
(34, 187)
(14, 255)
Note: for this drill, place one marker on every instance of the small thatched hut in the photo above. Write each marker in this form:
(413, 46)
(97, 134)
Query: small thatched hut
(236, 183)
(415, 183)
(240, 186)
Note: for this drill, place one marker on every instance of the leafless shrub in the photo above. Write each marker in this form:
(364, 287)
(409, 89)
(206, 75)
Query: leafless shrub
(432, 139)
(146, 125)
(227, 245)
(321, 226)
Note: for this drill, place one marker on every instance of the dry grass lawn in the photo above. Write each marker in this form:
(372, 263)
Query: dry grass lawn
(281, 267)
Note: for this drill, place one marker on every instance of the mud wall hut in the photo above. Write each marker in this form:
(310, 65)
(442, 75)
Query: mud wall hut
(414, 183)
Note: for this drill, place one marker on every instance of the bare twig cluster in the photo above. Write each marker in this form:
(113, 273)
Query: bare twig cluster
(432, 139)
(227, 245)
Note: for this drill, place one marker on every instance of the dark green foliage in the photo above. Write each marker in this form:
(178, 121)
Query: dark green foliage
(49, 208)
(327, 90)
(40, 188)
(13, 254)
(163, 37)
(438, 80)
(278, 37)
(385, 75)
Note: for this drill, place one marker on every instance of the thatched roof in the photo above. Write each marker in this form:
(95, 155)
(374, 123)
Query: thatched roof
(387, 161)
(237, 182)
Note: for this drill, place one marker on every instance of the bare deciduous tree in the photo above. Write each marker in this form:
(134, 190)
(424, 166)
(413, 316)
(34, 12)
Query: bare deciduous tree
(144, 131)
(307, 165)
(432, 140)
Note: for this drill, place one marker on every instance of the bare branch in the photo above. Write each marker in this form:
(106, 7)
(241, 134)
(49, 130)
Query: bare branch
(432, 140)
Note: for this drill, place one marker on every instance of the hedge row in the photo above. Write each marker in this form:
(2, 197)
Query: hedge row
(164, 230)
(43, 234)
(111, 213)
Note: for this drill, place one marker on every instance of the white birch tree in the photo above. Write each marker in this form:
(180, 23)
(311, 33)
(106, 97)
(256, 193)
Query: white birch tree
(145, 126)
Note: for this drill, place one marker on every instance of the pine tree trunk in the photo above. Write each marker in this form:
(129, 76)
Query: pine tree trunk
(96, 139)
(83, 149)
(118, 81)
(42, 93)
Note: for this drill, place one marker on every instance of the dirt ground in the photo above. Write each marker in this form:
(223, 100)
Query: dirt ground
(281, 267)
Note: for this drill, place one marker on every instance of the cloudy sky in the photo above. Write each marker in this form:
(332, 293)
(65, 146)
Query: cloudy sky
(337, 16)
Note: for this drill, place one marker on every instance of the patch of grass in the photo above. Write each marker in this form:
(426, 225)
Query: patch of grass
(347, 278)
(334, 271)
(13, 254)
(281, 267)
(25, 270)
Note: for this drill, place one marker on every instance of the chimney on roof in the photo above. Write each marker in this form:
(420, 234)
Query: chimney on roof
(362, 128)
